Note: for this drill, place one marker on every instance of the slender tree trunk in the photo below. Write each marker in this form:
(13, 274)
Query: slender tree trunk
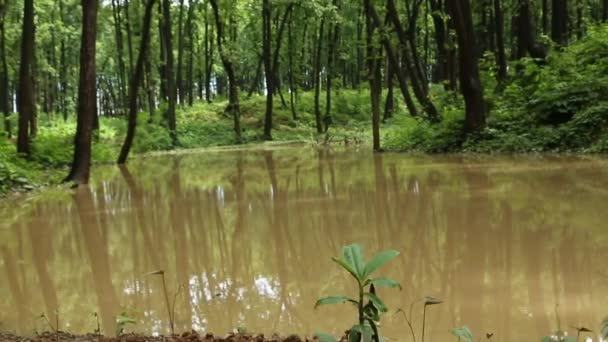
(440, 68)
(87, 95)
(180, 54)
(292, 86)
(136, 81)
(389, 103)
(559, 22)
(129, 36)
(393, 60)
(5, 103)
(604, 10)
(472, 91)
(545, 16)
(501, 57)
(208, 56)
(317, 77)
(374, 75)
(255, 83)
(233, 90)
(190, 32)
(526, 41)
(122, 73)
(27, 97)
(268, 67)
(331, 56)
(169, 70)
(412, 65)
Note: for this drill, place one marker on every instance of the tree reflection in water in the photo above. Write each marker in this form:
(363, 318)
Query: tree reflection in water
(249, 234)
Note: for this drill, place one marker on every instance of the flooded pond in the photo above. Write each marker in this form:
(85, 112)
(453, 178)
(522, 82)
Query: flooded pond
(512, 245)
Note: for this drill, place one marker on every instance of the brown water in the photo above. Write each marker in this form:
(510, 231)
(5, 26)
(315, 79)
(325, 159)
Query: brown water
(249, 235)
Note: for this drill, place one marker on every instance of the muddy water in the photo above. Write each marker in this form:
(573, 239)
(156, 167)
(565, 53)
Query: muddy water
(245, 239)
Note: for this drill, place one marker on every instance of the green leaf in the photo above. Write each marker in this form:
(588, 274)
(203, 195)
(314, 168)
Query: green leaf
(378, 261)
(365, 331)
(463, 333)
(569, 339)
(546, 339)
(323, 337)
(346, 266)
(335, 300)
(353, 256)
(604, 329)
(384, 282)
(378, 303)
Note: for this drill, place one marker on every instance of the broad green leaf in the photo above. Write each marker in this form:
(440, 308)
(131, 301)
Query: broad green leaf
(335, 300)
(353, 256)
(569, 339)
(323, 337)
(347, 267)
(463, 333)
(378, 261)
(383, 282)
(378, 303)
(547, 339)
(604, 329)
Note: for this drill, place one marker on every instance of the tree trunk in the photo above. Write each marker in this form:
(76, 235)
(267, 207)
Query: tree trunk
(545, 16)
(169, 71)
(268, 67)
(292, 86)
(526, 41)
(374, 76)
(87, 94)
(208, 57)
(472, 91)
(27, 98)
(605, 10)
(122, 73)
(389, 103)
(559, 22)
(136, 81)
(233, 90)
(180, 54)
(501, 57)
(5, 102)
(440, 68)
(317, 77)
(331, 55)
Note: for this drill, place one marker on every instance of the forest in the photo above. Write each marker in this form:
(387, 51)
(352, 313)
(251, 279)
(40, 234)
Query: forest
(86, 82)
(191, 166)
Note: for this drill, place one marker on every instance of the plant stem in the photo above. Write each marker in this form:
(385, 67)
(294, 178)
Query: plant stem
(167, 303)
(361, 318)
(423, 321)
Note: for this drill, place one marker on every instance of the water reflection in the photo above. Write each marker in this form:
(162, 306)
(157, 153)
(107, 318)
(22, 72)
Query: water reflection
(245, 238)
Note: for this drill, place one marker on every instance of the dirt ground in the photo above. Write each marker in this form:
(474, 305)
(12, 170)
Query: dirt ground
(192, 337)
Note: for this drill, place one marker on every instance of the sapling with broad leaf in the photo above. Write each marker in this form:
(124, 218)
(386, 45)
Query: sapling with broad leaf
(369, 305)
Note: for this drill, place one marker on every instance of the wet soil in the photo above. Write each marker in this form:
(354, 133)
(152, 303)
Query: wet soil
(185, 337)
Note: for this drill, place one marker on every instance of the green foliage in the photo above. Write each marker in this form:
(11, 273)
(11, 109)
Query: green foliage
(604, 329)
(352, 261)
(558, 106)
(122, 321)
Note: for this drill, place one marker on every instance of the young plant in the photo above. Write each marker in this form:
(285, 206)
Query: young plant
(368, 313)
(122, 321)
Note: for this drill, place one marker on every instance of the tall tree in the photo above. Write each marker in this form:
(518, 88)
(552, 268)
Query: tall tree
(87, 95)
(136, 80)
(374, 74)
(268, 69)
(559, 21)
(27, 82)
(233, 89)
(166, 37)
(501, 57)
(470, 83)
(5, 102)
(180, 53)
(317, 76)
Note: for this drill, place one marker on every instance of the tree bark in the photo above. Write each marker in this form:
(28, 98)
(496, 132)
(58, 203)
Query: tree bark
(27, 97)
(559, 22)
(501, 57)
(233, 90)
(317, 76)
(374, 75)
(180, 54)
(169, 71)
(268, 67)
(5, 103)
(470, 83)
(136, 81)
(526, 40)
(331, 55)
(87, 95)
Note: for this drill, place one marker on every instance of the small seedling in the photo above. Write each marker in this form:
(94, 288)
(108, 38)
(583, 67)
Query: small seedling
(98, 329)
(122, 321)
(463, 333)
(368, 313)
(170, 308)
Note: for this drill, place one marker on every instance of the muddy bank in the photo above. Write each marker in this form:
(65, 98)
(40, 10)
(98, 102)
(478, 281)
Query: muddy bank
(190, 337)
